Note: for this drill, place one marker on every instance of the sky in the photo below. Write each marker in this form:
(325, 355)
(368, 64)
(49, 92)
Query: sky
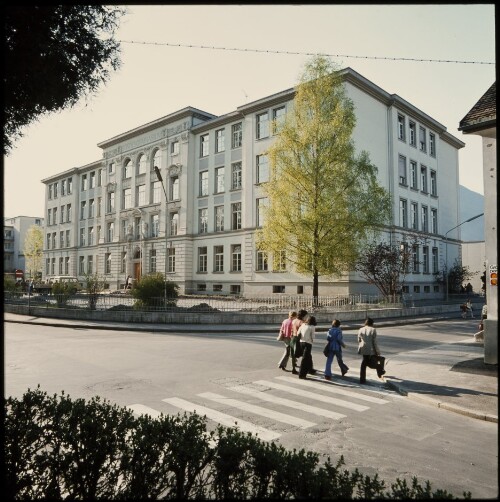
(156, 80)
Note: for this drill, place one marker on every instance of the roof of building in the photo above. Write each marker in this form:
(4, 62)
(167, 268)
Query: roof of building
(483, 114)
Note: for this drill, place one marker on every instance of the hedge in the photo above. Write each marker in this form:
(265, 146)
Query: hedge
(62, 449)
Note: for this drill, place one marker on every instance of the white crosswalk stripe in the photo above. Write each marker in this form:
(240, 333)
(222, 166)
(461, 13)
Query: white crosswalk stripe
(223, 419)
(331, 387)
(140, 409)
(258, 410)
(313, 395)
(242, 389)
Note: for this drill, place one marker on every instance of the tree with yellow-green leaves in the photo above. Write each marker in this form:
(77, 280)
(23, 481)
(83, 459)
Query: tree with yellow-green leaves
(324, 200)
(33, 251)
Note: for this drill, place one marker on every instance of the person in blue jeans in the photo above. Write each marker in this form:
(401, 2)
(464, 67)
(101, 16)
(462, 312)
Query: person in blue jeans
(335, 349)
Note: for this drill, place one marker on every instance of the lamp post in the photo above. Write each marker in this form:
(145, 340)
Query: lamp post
(160, 179)
(446, 239)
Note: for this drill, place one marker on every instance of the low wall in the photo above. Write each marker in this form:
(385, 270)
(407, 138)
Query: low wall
(322, 317)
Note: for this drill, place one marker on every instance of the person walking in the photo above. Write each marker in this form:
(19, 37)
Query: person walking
(295, 348)
(468, 307)
(367, 347)
(285, 336)
(336, 343)
(128, 282)
(306, 331)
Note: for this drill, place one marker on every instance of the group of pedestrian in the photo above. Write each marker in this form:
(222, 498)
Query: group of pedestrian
(297, 332)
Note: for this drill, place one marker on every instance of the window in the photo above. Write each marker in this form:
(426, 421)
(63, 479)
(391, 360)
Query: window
(107, 263)
(425, 259)
(171, 259)
(403, 213)
(202, 259)
(110, 230)
(219, 141)
(236, 135)
(110, 203)
(123, 231)
(92, 179)
(53, 266)
(91, 208)
(402, 170)
(70, 186)
(219, 218)
(83, 205)
(219, 180)
(416, 289)
(262, 261)
(201, 287)
(401, 128)
(155, 225)
(111, 168)
(203, 183)
(141, 164)
(236, 216)
(156, 191)
(123, 262)
(203, 220)
(278, 289)
(414, 216)
(434, 221)
(84, 182)
(54, 215)
(174, 188)
(433, 183)
(279, 262)
(54, 235)
(235, 289)
(260, 207)
(68, 213)
(422, 139)
(423, 178)
(236, 258)
(278, 119)
(415, 259)
(63, 187)
(413, 175)
(81, 266)
(99, 203)
(48, 240)
(174, 223)
(236, 175)
(90, 264)
(68, 241)
(127, 198)
(127, 169)
(218, 258)
(91, 236)
(425, 219)
(47, 266)
(61, 239)
(262, 169)
(262, 125)
(55, 190)
(137, 227)
(99, 177)
(427, 289)
(217, 287)
(435, 261)
(432, 144)
(49, 216)
(152, 260)
(66, 265)
(174, 148)
(140, 195)
(50, 191)
(204, 145)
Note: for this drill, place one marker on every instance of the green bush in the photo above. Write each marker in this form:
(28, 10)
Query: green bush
(57, 448)
(62, 292)
(149, 292)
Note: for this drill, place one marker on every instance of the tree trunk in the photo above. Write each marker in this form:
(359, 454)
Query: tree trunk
(315, 288)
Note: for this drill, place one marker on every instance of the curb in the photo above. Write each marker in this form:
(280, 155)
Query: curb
(445, 406)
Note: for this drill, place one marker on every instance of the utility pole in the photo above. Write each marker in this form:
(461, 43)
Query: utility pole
(160, 179)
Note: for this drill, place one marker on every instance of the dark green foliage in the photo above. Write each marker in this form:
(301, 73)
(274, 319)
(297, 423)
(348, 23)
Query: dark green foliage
(60, 449)
(149, 292)
(53, 56)
(62, 292)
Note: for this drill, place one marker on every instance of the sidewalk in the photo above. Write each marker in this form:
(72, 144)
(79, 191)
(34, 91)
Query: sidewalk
(452, 376)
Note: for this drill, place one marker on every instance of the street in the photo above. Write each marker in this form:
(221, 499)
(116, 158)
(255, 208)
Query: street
(232, 377)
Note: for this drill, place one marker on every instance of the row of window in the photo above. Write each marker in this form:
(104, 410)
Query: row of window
(66, 186)
(418, 179)
(412, 136)
(418, 220)
(420, 263)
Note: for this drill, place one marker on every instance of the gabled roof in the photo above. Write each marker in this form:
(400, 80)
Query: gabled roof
(483, 115)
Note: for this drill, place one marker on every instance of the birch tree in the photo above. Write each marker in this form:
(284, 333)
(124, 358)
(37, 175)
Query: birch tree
(33, 250)
(323, 197)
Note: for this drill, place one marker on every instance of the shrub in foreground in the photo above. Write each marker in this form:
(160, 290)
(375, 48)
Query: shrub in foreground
(65, 449)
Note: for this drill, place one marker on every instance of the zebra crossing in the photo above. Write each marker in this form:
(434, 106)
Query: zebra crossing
(329, 400)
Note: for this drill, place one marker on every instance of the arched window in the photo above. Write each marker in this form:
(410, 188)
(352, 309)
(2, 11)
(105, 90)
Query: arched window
(156, 160)
(141, 164)
(127, 169)
(137, 253)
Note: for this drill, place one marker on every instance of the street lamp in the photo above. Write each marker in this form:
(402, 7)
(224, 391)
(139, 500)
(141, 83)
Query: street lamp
(160, 179)
(446, 239)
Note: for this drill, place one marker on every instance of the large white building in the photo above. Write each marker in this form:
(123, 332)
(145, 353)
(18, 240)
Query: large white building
(110, 216)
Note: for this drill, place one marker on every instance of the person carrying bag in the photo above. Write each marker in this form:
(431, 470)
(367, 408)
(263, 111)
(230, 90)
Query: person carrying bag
(368, 348)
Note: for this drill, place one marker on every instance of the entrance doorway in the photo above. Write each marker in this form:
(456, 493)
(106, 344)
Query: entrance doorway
(137, 271)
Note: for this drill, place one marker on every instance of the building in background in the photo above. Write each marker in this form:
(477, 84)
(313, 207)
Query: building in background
(112, 216)
(482, 120)
(14, 235)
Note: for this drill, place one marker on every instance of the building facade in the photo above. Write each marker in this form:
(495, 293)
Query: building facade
(198, 224)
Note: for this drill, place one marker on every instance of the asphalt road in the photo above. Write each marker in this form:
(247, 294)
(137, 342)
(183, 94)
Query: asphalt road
(375, 429)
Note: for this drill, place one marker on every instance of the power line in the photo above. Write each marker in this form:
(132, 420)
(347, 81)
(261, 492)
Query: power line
(270, 51)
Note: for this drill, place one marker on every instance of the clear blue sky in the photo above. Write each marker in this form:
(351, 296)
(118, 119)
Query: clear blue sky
(157, 80)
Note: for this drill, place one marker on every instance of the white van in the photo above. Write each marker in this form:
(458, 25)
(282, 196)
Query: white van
(66, 279)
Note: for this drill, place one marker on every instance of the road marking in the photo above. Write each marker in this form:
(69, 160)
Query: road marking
(222, 418)
(140, 409)
(331, 387)
(258, 410)
(243, 389)
(312, 395)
